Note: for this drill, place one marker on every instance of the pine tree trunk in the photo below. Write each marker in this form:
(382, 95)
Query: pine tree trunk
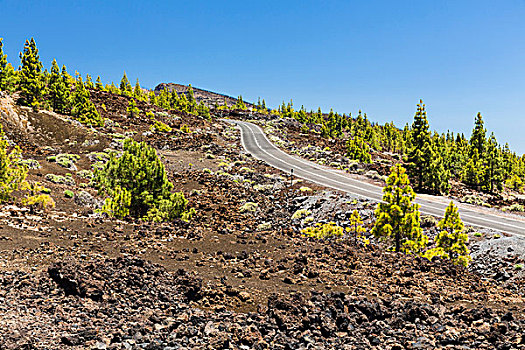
(398, 239)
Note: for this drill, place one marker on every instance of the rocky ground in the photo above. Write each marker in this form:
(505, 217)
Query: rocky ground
(240, 275)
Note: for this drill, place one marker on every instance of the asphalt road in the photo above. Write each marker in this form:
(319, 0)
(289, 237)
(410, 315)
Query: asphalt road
(256, 143)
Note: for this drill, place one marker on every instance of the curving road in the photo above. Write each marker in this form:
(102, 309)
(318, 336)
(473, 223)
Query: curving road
(256, 143)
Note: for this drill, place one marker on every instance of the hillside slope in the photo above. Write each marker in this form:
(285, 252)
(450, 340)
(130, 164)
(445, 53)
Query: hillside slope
(240, 274)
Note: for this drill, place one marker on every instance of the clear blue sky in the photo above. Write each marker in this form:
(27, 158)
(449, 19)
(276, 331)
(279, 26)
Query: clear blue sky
(460, 57)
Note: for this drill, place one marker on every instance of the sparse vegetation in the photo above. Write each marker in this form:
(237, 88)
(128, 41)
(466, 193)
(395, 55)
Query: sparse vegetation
(323, 231)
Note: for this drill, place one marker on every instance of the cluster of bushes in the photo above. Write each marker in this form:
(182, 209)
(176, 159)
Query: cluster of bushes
(398, 221)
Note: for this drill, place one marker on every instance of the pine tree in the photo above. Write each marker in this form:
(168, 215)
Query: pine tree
(397, 217)
(183, 104)
(163, 99)
(89, 82)
(31, 78)
(125, 86)
(240, 103)
(478, 138)
(173, 99)
(152, 98)
(438, 176)
(457, 157)
(138, 177)
(514, 182)
(3, 67)
(67, 78)
(356, 225)
(357, 149)
(59, 93)
(98, 84)
(112, 88)
(7, 74)
(420, 154)
(65, 98)
(137, 91)
(132, 109)
(203, 111)
(451, 241)
(191, 96)
(83, 108)
(493, 171)
(473, 171)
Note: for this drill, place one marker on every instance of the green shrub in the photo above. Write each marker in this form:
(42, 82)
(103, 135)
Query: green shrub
(322, 231)
(37, 197)
(140, 172)
(264, 226)
(518, 267)
(85, 174)
(12, 171)
(159, 126)
(69, 194)
(65, 160)
(98, 156)
(515, 183)
(59, 179)
(514, 207)
(249, 207)
(299, 214)
(31, 163)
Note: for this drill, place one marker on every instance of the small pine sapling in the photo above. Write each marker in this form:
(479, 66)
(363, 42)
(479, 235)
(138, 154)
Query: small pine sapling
(356, 225)
(451, 241)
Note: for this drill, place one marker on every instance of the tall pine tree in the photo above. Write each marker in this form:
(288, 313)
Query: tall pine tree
(493, 170)
(31, 79)
(7, 74)
(420, 154)
(125, 86)
(137, 91)
(83, 108)
(59, 93)
(89, 82)
(478, 137)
